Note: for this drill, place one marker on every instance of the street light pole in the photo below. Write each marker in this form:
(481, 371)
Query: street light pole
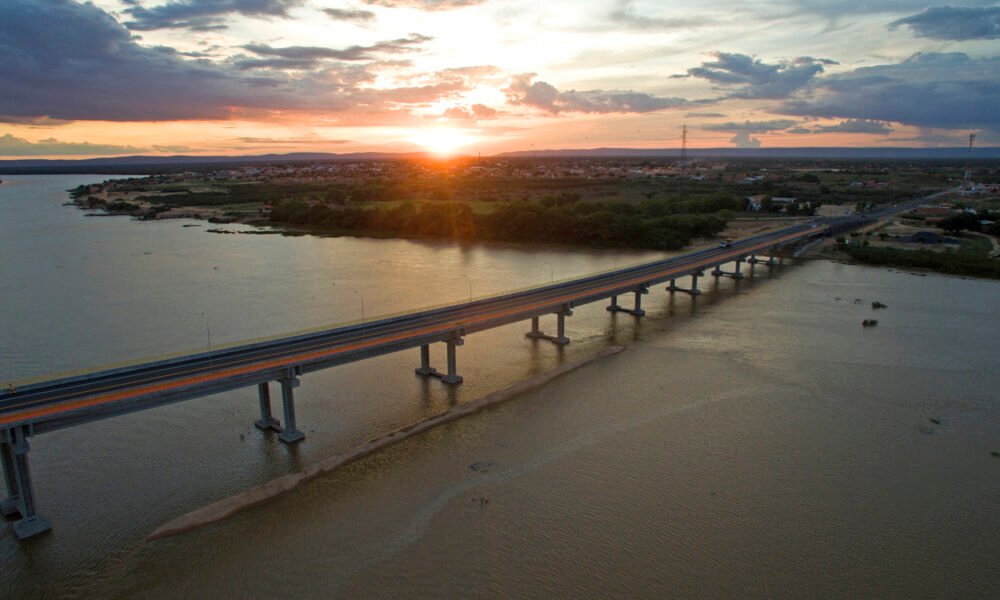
(360, 295)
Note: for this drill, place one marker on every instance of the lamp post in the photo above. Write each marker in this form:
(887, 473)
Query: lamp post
(362, 296)
(469, 279)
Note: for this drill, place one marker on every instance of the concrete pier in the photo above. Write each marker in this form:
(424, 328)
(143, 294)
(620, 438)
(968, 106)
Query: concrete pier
(426, 370)
(637, 307)
(560, 337)
(290, 432)
(20, 499)
(735, 273)
(693, 290)
(266, 421)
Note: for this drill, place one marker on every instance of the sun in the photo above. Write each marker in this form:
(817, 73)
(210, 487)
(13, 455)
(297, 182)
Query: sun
(442, 141)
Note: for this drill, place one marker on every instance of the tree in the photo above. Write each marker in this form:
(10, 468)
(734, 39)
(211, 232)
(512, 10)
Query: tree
(959, 222)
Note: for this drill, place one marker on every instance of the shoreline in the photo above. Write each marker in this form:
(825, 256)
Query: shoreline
(227, 507)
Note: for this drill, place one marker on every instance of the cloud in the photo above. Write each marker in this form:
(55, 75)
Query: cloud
(13, 146)
(705, 115)
(305, 57)
(539, 94)
(926, 90)
(71, 61)
(799, 130)
(625, 14)
(743, 140)
(470, 113)
(752, 126)
(954, 23)
(203, 15)
(752, 78)
(342, 14)
(425, 4)
(856, 126)
(852, 8)
(33, 120)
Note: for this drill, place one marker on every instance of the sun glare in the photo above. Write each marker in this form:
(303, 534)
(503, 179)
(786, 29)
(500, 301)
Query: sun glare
(442, 141)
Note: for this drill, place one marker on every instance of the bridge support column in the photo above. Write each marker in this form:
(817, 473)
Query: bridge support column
(694, 291)
(453, 377)
(735, 273)
(426, 370)
(290, 433)
(266, 420)
(560, 337)
(425, 362)
(21, 495)
(535, 332)
(637, 310)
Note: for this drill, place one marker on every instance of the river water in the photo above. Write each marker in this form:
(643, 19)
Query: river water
(757, 442)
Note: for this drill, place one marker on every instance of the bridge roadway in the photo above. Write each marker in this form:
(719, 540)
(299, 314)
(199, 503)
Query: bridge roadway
(39, 407)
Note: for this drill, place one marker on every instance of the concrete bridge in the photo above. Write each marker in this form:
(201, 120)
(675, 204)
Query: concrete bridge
(32, 409)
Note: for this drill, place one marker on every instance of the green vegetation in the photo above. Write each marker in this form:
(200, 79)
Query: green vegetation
(953, 263)
(656, 224)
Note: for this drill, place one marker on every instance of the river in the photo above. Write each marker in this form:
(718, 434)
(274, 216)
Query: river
(756, 442)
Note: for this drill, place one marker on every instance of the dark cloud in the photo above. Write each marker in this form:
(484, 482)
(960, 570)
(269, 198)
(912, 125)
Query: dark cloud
(954, 23)
(71, 61)
(203, 15)
(856, 126)
(541, 95)
(850, 8)
(625, 14)
(799, 130)
(342, 14)
(705, 115)
(13, 146)
(752, 126)
(306, 57)
(926, 90)
(425, 4)
(752, 78)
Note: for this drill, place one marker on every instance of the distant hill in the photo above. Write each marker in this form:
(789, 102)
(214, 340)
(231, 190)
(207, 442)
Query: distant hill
(818, 152)
(159, 164)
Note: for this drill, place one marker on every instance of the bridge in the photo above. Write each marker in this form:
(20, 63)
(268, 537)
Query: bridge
(32, 409)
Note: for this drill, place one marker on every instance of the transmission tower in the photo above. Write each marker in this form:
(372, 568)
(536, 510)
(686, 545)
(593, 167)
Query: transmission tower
(684, 144)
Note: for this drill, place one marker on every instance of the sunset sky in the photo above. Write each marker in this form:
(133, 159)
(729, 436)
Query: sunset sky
(113, 77)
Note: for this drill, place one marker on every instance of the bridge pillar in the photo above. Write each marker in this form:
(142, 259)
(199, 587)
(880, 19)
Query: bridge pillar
(290, 433)
(735, 273)
(266, 420)
(425, 362)
(637, 311)
(535, 332)
(21, 495)
(694, 291)
(453, 377)
(561, 338)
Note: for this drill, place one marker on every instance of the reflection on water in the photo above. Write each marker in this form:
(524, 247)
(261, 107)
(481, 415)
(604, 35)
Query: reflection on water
(758, 443)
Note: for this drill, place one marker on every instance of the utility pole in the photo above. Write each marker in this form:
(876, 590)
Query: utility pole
(684, 144)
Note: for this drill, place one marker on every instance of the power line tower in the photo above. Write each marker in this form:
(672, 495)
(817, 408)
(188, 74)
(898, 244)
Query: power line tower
(684, 144)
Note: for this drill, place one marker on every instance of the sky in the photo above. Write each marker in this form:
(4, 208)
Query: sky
(122, 77)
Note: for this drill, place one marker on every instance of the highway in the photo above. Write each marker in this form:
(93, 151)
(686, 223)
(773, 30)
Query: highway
(63, 402)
